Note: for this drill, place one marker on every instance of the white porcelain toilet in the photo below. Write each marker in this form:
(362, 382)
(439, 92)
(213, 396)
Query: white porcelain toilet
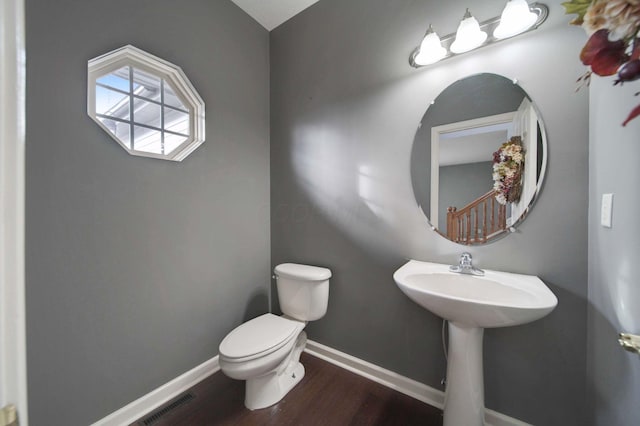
(265, 351)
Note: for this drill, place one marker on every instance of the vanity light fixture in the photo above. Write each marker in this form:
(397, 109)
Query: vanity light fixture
(518, 17)
(469, 35)
(430, 50)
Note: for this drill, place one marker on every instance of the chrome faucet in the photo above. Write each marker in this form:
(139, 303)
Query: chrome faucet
(465, 266)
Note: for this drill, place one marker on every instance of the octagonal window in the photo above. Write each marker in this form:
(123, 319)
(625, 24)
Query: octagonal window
(145, 103)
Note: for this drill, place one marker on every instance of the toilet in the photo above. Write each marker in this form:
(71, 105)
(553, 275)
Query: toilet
(265, 351)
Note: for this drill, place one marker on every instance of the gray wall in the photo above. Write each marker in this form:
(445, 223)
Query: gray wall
(137, 268)
(614, 287)
(345, 106)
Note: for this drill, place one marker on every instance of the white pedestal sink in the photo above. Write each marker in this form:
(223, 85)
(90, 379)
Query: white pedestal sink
(472, 303)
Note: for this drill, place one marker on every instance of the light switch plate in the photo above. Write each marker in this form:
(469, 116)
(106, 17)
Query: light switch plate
(606, 210)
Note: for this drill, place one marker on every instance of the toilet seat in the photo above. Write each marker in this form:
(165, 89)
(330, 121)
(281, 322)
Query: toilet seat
(259, 337)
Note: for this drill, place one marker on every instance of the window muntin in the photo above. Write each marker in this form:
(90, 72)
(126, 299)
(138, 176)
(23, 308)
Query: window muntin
(146, 104)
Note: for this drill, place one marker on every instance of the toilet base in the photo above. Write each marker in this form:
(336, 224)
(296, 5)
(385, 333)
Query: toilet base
(269, 389)
(266, 390)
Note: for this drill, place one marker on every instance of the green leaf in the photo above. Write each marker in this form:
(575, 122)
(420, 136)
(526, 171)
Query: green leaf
(579, 7)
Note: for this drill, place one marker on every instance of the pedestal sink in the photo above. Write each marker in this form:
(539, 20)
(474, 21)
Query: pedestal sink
(472, 303)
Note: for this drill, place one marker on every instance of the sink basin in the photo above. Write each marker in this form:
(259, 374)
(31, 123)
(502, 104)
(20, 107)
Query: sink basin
(497, 299)
(472, 303)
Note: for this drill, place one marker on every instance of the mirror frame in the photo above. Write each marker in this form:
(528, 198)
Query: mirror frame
(439, 130)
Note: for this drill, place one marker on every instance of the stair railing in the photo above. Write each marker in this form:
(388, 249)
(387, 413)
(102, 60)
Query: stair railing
(477, 221)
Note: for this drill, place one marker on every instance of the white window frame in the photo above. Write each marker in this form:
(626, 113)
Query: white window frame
(136, 58)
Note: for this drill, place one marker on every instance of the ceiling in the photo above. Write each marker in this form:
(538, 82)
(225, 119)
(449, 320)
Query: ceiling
(271, 13)
(473, 145)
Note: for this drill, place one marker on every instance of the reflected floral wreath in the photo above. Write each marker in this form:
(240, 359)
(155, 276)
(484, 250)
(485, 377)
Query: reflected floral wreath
(508, 164)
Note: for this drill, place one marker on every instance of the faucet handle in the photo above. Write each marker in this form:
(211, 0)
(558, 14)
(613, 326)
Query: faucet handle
(465, 258)
(465, 266)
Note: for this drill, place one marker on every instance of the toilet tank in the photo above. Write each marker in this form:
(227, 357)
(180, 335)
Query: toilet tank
(303, 290)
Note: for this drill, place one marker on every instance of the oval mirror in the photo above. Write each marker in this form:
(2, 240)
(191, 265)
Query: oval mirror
(478, 159)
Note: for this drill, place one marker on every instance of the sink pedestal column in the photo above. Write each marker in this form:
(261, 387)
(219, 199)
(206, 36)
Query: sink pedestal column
(464, 395)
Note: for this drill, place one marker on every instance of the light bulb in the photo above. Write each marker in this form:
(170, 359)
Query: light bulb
(516, 18)
(431, 50)
(469, 36)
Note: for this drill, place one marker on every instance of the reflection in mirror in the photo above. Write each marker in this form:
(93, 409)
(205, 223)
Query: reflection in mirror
(478, 159)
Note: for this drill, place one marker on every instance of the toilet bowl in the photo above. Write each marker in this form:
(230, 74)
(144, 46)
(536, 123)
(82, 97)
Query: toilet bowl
(265, 351)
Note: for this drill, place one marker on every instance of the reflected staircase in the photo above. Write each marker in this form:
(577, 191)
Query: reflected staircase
(478, 221)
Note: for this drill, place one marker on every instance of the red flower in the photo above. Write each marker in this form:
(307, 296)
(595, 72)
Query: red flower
(633, 114)
(603, 55)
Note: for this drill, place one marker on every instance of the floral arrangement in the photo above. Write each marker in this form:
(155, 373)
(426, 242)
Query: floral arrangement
(613, 47)
(508, 164)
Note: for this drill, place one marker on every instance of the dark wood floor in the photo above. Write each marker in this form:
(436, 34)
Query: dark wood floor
(327, 395)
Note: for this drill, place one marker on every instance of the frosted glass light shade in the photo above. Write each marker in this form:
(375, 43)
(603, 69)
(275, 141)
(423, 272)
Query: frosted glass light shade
(431, 50)
(469, 36)
(516, 18)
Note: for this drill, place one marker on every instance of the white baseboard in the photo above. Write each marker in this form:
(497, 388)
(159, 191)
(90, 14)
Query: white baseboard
(387, 378)
(397, 382)
(154, 399)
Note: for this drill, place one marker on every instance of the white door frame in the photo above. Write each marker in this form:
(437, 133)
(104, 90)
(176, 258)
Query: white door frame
(526, 126)
(13, 362)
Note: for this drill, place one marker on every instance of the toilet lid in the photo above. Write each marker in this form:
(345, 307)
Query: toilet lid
(265, 333)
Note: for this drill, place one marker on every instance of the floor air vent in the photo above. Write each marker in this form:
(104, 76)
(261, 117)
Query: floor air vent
(154, 417)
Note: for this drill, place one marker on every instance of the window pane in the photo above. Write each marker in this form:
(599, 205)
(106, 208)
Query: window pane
(118, 79)
(120, 130)
(171, 142)
(111, 103)
(147, 140)
(146, 85)
(146, 113)
(171, 99)
(144, 103)
(176, 121)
